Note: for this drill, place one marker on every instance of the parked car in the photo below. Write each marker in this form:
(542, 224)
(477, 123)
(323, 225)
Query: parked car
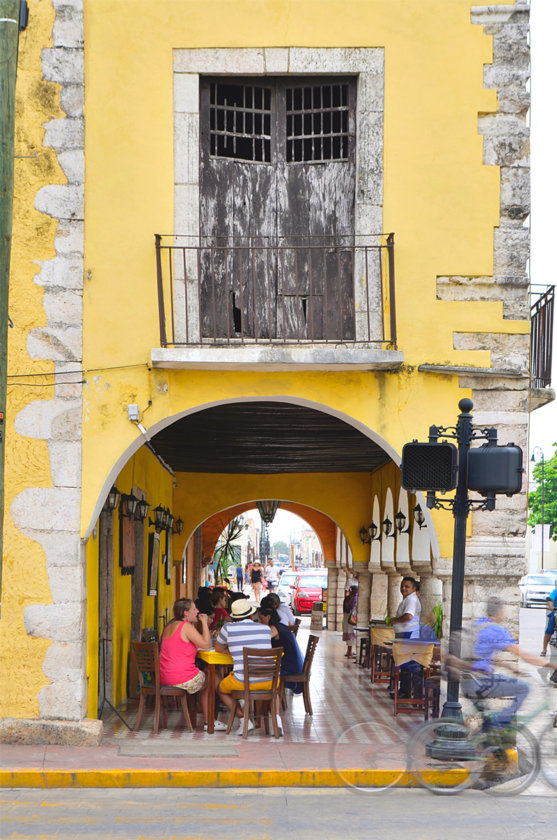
(308, 589)
(535, 589)
(284, 588)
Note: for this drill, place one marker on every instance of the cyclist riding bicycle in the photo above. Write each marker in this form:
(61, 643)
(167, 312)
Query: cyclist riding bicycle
(489, 638)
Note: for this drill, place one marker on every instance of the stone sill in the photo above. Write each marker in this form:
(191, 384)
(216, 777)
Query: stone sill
(540, 397)
(278, 357)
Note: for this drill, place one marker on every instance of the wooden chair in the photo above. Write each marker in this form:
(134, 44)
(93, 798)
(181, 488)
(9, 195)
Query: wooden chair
(146, 658)
(304, 677)
(420, 653)
(260, 666)
(296, 627)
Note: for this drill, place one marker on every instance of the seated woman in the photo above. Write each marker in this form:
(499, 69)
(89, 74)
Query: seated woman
(292, 658)
(180, 643)
(221, 614)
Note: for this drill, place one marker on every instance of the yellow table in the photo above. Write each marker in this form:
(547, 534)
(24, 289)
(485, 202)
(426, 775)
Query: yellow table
(212, 658)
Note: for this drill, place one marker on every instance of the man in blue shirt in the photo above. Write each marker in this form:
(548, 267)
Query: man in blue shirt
(490, 638)
(550, 626)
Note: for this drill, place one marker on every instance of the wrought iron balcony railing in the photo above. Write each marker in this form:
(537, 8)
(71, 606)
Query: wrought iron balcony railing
(290, 290)
(541, 336)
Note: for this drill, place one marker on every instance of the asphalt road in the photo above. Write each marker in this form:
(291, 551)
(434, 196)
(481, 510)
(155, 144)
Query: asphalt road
(154, 814)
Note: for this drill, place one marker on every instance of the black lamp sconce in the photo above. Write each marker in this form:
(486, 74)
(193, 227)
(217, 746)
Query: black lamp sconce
(164, 521)
(369, 534)
(128, 504)
(387, 527)
(112, 500)
(141, 510)
(400, 522)
(419, 517)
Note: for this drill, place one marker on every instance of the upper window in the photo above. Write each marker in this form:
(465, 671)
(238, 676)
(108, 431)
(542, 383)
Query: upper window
(240, 122)
(294, 120)
(317, 122)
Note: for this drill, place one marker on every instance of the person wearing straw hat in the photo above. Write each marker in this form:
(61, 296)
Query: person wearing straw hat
(233, 637)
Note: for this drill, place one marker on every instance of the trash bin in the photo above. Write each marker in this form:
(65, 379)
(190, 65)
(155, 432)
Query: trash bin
(317, 616)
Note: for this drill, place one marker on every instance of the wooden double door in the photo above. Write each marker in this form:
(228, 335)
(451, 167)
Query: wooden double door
(277, 192)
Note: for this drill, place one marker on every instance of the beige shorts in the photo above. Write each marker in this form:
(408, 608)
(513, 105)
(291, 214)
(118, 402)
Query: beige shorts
(194, 685)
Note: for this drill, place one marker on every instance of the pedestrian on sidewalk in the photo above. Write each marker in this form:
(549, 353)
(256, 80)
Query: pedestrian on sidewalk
(550, 624)
(349, 620)
(271, 575)
(239, 578)
(256, 579)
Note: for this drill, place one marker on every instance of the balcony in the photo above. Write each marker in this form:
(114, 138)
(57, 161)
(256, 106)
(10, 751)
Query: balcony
(541, 343)
(301, 302)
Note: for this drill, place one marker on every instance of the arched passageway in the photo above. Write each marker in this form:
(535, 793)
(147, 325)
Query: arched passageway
(221, 459)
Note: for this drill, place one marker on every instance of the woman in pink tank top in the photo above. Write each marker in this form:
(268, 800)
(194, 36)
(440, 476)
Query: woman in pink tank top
(180, 643)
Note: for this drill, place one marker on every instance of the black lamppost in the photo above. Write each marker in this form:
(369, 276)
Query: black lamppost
(537, 452)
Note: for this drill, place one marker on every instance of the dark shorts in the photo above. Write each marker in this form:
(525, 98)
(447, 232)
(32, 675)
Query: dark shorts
(550, 628)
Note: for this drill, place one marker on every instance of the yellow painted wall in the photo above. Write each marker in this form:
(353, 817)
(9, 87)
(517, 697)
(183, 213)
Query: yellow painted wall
(145, 472)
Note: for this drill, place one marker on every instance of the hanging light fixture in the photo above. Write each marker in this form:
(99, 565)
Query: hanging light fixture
(128, 504)
(419, 517)
(387, 527)
(112, 499)
(400, 522)
(267, 509)
(141, 510)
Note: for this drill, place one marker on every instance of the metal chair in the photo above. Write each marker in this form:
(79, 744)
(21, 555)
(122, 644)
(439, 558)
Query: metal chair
(304, 677)
(146, 658)
(260, 666)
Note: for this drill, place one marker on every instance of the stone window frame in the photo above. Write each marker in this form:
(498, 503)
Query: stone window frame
(366, 64)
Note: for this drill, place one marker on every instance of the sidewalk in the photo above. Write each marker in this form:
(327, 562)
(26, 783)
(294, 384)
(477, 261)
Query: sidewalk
(306, 756)
(341, 693)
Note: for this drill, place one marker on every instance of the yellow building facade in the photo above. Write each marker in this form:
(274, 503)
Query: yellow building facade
(119, 367)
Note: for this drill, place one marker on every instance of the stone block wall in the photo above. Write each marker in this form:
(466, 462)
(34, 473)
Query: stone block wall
(51, 514)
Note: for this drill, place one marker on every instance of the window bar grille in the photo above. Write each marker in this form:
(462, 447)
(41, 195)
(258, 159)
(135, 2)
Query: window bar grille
(241, 294)
(213, 292)
(199, 303)
(310, 301)
(171, 283)
(325, 311)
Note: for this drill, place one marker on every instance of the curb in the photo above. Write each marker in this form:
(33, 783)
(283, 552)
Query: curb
(134, 778)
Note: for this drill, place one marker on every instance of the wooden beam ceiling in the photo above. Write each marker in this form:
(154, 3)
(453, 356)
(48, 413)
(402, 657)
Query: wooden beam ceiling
(266, 437)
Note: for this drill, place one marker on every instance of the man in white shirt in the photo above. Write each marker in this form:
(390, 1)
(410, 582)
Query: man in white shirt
(406, 622)
(271, 575)
(284, 612)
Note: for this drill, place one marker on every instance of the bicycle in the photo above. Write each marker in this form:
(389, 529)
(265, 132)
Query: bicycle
(447, 756)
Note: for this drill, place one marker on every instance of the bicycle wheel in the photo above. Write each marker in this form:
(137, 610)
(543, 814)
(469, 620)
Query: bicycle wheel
(511, 761)
(445, 756)
(369, 757)
(548, 754)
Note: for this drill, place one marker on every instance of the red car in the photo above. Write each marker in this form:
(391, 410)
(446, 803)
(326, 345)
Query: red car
(308, 589)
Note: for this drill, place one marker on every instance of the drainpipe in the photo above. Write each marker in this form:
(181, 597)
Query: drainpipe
(13, 18)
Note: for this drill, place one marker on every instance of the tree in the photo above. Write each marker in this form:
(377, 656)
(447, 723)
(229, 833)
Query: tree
(227, 552)
(280, 547)
(545, 494)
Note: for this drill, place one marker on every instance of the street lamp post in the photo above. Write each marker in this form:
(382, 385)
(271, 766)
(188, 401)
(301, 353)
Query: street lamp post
(537, 452)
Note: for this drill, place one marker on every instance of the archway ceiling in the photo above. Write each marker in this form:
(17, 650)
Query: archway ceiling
(266, 437)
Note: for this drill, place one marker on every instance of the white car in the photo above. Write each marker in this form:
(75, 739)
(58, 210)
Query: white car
(284, 589)
(535, 589)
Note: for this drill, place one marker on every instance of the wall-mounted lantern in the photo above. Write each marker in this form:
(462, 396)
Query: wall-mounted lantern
(419, 517)
(400, 522)
(141, 510)
(387, 527)
(113, 499)
(160, 519)
(369, 534)
(128, 504)
(178, 526)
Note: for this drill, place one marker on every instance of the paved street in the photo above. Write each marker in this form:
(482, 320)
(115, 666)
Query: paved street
(274, 814)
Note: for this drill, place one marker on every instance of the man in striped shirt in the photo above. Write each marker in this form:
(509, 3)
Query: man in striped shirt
(233, 637)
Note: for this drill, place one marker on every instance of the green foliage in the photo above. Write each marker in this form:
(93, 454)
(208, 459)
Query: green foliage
(546, 491)
(227, 552)
(437, 620)
(280, 547)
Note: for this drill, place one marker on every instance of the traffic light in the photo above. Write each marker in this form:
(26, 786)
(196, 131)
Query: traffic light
(429, 466)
